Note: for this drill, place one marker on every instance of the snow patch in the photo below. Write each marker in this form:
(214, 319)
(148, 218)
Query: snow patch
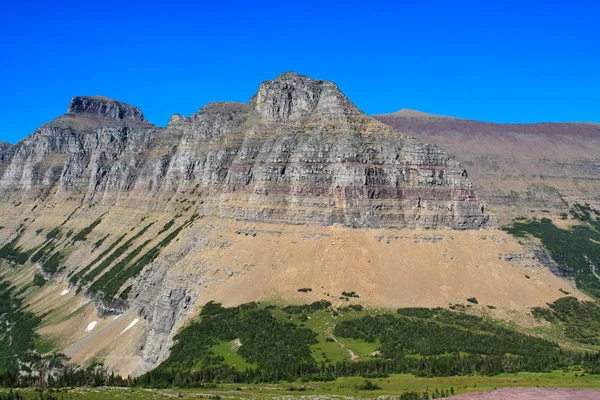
(64, 292)
(135, 321)
(91, 326)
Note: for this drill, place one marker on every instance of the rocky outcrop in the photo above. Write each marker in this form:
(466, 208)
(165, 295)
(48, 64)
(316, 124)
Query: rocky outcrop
(105, 107)
(299, 153)
(3, 147)
(5, 155)
(295, 97)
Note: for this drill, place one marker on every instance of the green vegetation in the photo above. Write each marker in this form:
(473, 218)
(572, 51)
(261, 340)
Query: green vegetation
(280, 349)
(82, 234)
(305, 290)
(167, 226)
(52, 264)
(113, 256)
(77, 276)
(430, 332)
(308, 308)
(368, 385)
(580, 319)
(109, 284)
(99, 242)
(44, 251)
(39, 280)
(350, 294)
(18, 331)
(13, 253)
(396, 386)
(472, 300)
(125, 292)
(104, 282)
(53, 234)
(355, 307)
(576, 250)
(277, 344)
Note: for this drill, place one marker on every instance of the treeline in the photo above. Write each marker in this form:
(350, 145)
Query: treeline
(273, 345)
(17, 331)
(423, 342)
(580, 319)
(61, 375)
(576, 250)
(431, 366)
(276, 347)
(440, 331)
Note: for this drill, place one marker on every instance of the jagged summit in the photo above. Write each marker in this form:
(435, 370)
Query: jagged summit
(294, 97)
(105, 107)
(290, 97)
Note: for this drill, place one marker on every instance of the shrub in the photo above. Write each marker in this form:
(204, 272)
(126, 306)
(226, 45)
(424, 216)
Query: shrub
(368, 385)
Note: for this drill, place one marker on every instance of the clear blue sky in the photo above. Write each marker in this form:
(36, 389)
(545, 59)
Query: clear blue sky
(503, 61)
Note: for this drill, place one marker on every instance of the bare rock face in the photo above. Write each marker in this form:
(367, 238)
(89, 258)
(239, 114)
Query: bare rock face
(299, 153)
(104, 107)
(5, 155)
(294, 97)
(516, 168)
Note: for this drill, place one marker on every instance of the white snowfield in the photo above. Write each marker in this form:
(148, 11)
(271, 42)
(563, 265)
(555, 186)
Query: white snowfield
(135, 321)
(91, 326)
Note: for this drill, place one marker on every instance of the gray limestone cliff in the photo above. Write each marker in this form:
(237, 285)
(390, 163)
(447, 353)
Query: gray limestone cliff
(105, 107)
(300, 152)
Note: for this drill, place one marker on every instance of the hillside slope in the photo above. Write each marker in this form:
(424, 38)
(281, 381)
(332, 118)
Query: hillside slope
(135, 227)
(516, 167)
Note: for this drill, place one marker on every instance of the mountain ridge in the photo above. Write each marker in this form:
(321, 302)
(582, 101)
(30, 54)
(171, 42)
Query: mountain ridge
(518, 167)
(411, 113)
(237, 203)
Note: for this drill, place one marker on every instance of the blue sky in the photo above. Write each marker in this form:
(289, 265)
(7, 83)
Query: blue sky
(501, 61)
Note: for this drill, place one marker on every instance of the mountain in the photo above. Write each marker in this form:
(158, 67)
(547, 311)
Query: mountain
(516, 168)
(116, 232)
(300, 152)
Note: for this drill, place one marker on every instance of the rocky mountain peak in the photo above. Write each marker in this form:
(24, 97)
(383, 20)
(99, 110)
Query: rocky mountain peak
(105, 107)
(295, 97)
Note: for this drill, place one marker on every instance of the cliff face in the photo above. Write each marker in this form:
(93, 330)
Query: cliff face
(516, 168)
(299, 153)
(143, 218)
(104, 107)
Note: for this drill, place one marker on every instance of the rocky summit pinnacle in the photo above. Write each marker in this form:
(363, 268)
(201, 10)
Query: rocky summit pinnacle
(295, 97)
(300, 153)
(105, 107)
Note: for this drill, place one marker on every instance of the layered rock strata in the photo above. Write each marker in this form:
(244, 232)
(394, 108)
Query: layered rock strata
(299, 153)
(103, 200)
(516, 168)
